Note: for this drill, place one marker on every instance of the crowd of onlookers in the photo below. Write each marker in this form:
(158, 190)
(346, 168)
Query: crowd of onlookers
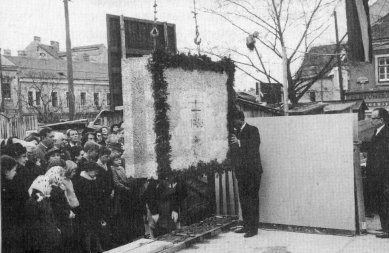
(63, 193)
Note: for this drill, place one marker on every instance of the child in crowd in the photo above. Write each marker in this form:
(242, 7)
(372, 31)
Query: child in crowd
(90, 211)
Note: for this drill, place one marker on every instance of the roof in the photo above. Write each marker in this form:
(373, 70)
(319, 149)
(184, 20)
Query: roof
(307, 108)
(317, 57)
(246, 96)
(50, 50)
(94, 47)
(338, 105)
(380, 30)
(58, 68)
(5, 62)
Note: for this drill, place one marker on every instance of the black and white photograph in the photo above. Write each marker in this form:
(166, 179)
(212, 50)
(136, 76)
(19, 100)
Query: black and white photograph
(194, 126)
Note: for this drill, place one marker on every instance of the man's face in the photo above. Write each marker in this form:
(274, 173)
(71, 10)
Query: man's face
(104, 158)
(78, 158)
(376, 120)
(238, 123)
(10, 174)
(99, 137)
(49, 140)
(91, 137)
(93, 154)
(73, 136)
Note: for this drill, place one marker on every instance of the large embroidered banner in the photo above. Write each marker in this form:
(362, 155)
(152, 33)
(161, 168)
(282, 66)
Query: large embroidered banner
(192, 104)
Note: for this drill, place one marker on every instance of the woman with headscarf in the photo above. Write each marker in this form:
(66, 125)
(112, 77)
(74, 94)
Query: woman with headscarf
(60, 203)
(42, 233)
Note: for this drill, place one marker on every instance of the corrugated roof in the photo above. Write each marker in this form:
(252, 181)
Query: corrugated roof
(58, 68)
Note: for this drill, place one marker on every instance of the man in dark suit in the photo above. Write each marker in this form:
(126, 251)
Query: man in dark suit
(248, 170)
(377, 167)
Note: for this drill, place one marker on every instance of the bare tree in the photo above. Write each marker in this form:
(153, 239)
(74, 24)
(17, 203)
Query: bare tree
(275, 24)
(46, 102)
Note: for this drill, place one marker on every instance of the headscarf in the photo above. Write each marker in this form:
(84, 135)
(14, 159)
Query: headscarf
(55, 175)
(70, 167)
(42, 184)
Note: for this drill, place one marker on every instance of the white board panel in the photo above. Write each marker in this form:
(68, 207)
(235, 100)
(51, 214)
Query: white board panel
(308, 177)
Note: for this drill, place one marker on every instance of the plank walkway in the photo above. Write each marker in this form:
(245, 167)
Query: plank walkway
(176, 240)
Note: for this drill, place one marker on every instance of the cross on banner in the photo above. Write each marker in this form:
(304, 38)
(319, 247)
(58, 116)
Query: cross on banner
(196, 119)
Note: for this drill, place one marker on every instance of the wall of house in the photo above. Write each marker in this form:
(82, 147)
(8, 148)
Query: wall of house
(61, 87)
(360, 70)
(324, 90)
(10, 103)
(97, 56)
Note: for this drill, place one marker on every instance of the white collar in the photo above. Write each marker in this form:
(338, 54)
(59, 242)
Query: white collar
(244, 124)
(86, 175)
(379, 129)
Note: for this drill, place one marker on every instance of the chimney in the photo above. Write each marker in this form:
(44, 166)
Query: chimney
(37, 39)
(55, 45)
(21, 53)
(7, 52)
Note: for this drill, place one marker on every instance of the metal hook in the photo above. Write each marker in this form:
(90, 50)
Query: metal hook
(197, 40)
(154, 32)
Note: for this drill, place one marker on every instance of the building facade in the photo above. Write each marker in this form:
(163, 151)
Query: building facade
(40, 86)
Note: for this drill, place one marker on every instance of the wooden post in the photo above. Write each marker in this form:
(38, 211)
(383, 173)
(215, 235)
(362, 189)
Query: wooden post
(1, 85)
(123, 37)
(69, 60)
(165, 33)
(339, 63)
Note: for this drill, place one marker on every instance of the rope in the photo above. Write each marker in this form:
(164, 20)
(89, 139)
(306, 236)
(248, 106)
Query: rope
(154, 32)
(196, 40)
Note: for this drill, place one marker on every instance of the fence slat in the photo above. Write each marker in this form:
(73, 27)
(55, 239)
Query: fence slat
(17, 126)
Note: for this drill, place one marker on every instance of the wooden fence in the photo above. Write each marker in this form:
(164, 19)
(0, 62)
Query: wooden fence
(17, 126)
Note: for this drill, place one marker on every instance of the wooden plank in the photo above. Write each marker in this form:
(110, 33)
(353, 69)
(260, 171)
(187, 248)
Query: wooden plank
(129, 246)
(224, 211)
(236, 190)
(217, 193)
(232, 194)
(359, 200)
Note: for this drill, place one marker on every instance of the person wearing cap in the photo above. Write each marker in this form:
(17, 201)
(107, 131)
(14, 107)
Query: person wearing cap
(89, 213)
(52, 154)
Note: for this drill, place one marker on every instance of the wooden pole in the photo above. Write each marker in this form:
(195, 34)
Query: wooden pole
(72, 108)
(338, 50)
(1, 85)
(123, 37)
(285, 80)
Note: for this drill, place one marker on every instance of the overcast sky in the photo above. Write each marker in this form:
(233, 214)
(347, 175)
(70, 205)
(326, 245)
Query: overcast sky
(20, 20)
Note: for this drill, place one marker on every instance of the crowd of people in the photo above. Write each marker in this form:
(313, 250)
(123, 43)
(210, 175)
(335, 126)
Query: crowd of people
(63, 193)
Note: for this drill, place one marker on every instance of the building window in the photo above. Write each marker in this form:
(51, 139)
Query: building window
(67, 99)
(54, 99)
(83, 98)
(312, 96)
(96, 98)
(38, 98)
(30, 98)
(6, 87)
(108, 98)
(85, 57)
(383, 69)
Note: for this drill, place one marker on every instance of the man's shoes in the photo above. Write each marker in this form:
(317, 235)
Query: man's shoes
(383, 235)
(250, 234)
(241, 231)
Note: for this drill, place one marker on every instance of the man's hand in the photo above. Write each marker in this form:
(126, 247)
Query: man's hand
(174, 216)
(234, 140)
(72, 215)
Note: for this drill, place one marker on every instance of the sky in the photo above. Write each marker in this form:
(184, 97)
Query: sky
(21, 20)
